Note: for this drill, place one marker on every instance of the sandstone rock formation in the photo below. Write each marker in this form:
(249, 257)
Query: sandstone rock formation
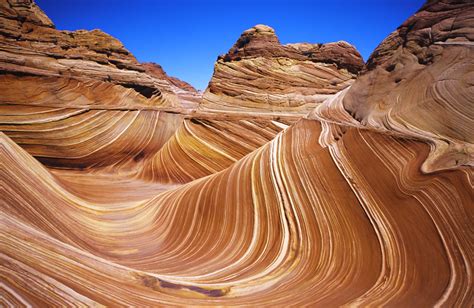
(76, 99)
(188, 96)
(111, 198)
(31, 46)
(272, 219)
(418, 82)
(258, 74)
(156, 70)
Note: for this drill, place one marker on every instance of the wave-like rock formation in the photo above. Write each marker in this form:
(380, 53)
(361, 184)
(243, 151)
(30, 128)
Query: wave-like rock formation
(80, 99)
(272, 228)
(419, 82)
(81, 138)
(110, 197)
(201, 147)
(260, 75)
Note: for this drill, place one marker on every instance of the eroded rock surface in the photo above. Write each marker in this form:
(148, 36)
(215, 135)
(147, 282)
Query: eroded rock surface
(156, 70)
(419, 82)
(31, 46)
(188, 96)
(110, 199)
(259, 74)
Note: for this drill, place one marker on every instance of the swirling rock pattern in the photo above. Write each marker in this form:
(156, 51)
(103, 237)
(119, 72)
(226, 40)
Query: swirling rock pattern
(260, 75)
(109, 197)
(81, 138)
(418, 82)
(201, 147)
(285, 232)
(152, 145)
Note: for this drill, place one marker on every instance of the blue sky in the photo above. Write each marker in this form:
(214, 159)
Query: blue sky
(186, 37)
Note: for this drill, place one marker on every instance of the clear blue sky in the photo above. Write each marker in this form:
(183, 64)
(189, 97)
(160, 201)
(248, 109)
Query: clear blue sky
(186, 37)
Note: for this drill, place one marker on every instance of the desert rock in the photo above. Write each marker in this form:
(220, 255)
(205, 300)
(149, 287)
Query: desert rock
(114, 197)
(260, 75)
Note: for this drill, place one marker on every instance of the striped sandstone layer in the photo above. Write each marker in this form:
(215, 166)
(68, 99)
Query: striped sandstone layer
(260, 75)
(419, 82)
(31, 49)
(293, 222)
(124, 206)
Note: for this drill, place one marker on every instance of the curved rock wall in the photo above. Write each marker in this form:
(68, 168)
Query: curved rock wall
(418, 82)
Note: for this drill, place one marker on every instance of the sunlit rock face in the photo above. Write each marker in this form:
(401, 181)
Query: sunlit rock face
(79, 99)
(259, 75)
(30, 46)
(419, 82)
(113, 198)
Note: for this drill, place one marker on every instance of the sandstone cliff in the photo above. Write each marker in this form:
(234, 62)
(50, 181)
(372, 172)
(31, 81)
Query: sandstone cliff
(72, 62)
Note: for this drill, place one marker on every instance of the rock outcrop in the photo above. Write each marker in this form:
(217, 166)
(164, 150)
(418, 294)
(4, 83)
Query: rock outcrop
(418, 82)
(156, 70)
(82, 88)
(260, 75)
(80, 100)
(188, 96)
(31, 46)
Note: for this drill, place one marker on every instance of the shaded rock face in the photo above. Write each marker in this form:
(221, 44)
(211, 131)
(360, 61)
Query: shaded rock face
(31, 46)
(188, 97)
(418, 81)
(156, 70)
(259, 74)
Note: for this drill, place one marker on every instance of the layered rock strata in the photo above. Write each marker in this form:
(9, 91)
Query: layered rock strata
(323, 229)
(419, 82)
(125, 206)
(260, 75)
(31, 46)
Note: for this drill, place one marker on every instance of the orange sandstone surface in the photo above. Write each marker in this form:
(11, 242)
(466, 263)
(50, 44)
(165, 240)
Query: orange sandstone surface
(300, 177)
